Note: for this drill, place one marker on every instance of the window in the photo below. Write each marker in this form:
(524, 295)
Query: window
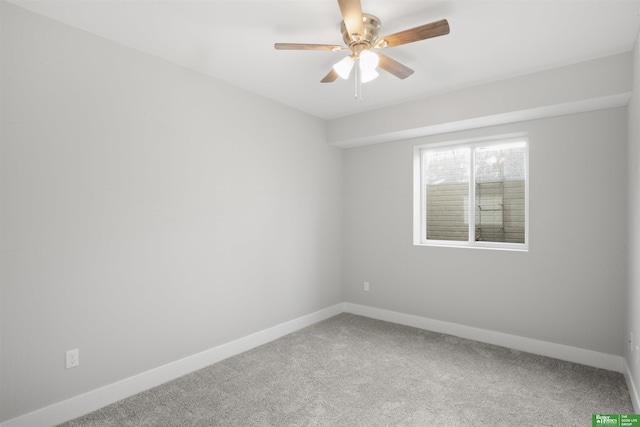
(472, 194)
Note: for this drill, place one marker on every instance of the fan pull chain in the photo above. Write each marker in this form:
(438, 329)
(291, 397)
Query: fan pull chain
(358, 79)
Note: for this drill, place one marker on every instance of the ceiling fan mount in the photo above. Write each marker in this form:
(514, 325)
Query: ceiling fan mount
(359, 42)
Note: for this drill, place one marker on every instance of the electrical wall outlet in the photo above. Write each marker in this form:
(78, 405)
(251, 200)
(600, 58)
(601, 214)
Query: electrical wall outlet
(366, 286)
(72, 358)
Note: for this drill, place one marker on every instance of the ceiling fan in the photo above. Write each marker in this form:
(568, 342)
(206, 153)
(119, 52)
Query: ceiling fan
(360, 34)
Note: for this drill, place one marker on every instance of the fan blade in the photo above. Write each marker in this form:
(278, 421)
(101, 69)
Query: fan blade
(331, 77)
(427, 31)
(352, 15)
(303, 46)
(394, 67)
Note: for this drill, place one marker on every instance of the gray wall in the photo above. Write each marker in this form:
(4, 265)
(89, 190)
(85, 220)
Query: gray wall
(633, 325)
(567, 289)
(148, 212)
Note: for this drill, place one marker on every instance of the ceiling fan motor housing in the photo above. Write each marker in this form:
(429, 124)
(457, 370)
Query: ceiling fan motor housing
(371, 28)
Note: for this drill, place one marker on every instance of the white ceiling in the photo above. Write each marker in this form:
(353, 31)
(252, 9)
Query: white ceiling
(233, 41)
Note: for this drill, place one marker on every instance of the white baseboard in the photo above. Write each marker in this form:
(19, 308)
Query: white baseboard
(557, 351)
(96, 399)
(631, 386)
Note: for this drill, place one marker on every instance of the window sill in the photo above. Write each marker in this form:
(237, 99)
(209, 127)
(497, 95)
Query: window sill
(495, 246)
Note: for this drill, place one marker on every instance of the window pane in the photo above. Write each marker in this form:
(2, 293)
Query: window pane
(500, 193)
(447, 194)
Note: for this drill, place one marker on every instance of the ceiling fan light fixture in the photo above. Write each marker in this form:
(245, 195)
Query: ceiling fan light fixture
(344, 67)
(368, 60)
(368, 74)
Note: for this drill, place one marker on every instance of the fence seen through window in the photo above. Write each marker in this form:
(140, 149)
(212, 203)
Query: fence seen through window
(474, 193)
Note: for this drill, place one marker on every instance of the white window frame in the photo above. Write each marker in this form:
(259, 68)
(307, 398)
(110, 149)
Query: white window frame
(419, 195)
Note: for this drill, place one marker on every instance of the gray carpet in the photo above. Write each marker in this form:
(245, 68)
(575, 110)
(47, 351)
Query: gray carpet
(355, 371)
